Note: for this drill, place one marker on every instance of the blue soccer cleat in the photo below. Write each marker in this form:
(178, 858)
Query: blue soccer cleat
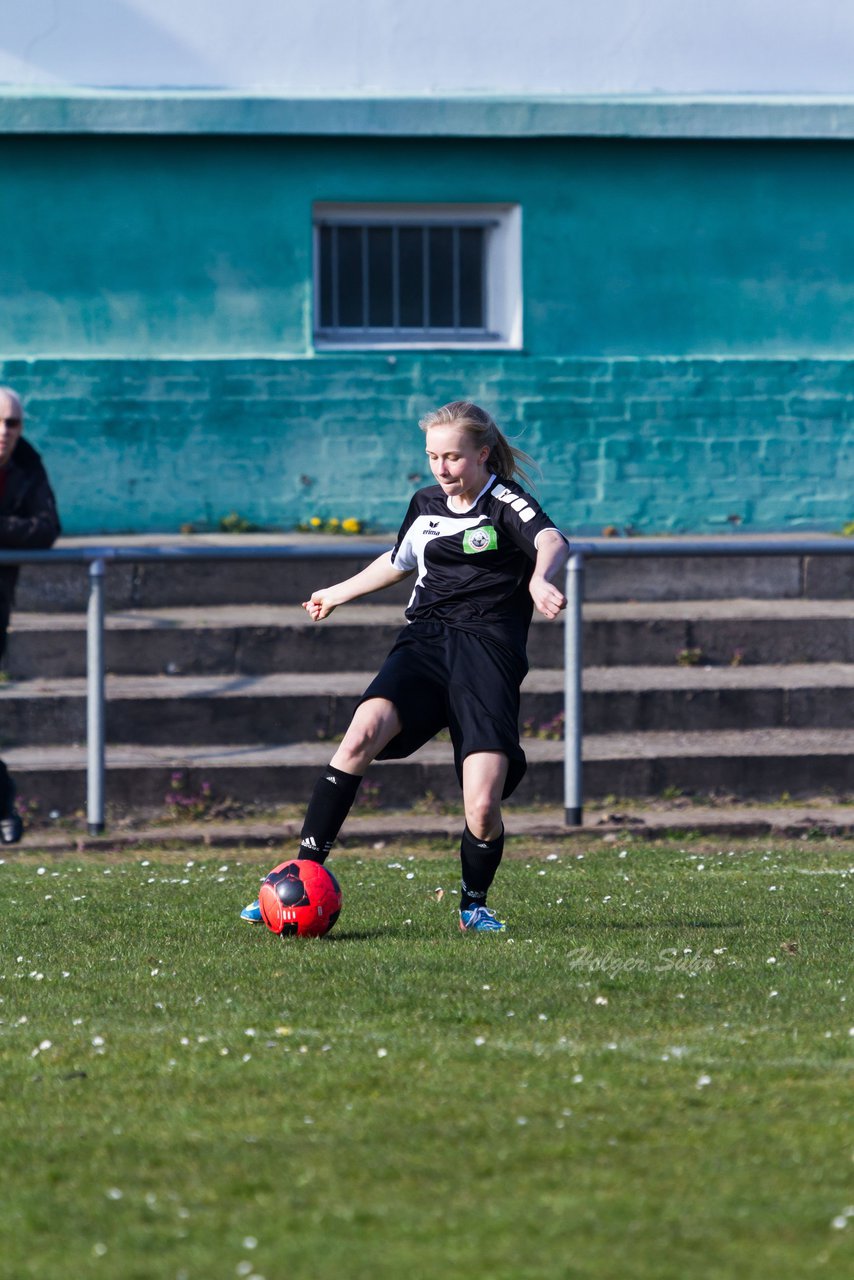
(480, 919)
(252, 913)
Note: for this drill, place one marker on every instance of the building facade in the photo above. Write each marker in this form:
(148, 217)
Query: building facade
(229, 300)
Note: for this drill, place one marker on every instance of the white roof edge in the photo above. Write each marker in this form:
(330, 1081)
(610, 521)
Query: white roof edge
(198, 111)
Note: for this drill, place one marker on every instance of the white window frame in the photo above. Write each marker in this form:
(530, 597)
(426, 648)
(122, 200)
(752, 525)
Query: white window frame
(503, 272)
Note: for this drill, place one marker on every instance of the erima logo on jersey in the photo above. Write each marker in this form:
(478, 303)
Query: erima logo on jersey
(483, 538)
(517, 504)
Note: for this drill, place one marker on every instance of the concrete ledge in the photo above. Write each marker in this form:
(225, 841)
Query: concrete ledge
(383, 831)
(278, 708)
(99, 111)
(256, 639)
(762, 765)
(668, 571)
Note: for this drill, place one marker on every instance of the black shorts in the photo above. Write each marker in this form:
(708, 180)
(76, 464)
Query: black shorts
(441, 677)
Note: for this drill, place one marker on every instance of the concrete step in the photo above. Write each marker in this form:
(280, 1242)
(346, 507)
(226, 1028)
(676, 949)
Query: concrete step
(211, 640)
(765, 765)
(712, 699)
(168, 583)
(299, 707)
(259, 639)
(718, 632)
(322, 560)
(377, 831)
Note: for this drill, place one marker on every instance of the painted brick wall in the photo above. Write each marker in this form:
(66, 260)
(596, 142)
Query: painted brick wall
(655, 445)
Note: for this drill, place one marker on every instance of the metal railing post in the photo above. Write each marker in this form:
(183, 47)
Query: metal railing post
(572, 730)
(95, 746)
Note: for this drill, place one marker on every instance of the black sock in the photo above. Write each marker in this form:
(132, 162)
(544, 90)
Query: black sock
(480, 859)
(330, 802)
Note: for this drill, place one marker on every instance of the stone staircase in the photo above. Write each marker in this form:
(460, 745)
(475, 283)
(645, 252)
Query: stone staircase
(701, 676)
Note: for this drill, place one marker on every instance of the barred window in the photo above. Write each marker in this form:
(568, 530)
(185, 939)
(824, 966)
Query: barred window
(394, 277)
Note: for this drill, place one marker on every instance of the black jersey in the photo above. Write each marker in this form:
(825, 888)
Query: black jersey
(474, 566)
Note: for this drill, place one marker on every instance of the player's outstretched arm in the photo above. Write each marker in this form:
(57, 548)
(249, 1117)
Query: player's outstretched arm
(552, 555)
(378, 574)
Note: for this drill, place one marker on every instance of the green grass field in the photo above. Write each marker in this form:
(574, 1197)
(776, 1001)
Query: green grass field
(649, 1076)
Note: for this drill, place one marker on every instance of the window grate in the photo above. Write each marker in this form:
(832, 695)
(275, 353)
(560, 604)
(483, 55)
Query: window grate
(387, 280)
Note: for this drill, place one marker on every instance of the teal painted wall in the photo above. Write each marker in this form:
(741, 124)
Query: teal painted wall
(688, 312)
(657, 445)
(165, 246)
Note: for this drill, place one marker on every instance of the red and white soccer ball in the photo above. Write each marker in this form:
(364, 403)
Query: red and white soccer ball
(301, 898)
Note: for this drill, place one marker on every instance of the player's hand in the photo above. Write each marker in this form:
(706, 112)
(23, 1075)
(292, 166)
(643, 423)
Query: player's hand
(548, 599)
(319, 606)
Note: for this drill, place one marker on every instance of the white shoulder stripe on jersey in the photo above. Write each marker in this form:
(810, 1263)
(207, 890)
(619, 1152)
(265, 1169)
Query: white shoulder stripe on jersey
(516, 503)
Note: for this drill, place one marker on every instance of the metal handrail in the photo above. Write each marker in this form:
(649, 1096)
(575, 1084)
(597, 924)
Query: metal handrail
(97, 557)
(204, 551)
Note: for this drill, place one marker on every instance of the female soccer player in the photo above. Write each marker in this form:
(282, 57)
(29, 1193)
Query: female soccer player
(485, 553)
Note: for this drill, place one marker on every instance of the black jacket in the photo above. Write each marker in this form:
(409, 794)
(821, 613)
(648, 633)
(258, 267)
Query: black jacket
(28, 517)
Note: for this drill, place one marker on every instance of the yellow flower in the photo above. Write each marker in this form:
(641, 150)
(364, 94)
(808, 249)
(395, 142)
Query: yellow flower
(315, 522)
(352, 525)
(332, 523)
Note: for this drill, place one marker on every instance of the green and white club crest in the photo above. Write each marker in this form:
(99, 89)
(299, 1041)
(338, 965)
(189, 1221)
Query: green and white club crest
(483, 538)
